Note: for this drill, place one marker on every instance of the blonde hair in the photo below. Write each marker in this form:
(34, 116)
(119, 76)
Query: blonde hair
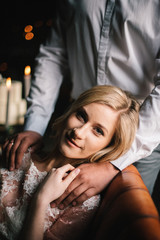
(117, 99)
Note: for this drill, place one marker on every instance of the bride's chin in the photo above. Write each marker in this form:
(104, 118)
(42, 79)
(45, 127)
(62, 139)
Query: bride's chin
(64, 153)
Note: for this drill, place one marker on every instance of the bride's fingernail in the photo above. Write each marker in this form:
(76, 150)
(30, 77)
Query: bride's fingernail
(77, 170)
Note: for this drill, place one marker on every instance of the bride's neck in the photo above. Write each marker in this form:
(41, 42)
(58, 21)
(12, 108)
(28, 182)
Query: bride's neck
(54, 160)
(60, 160)
(57, 160)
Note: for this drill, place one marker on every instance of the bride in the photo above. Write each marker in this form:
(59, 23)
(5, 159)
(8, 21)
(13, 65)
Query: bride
(99, 126)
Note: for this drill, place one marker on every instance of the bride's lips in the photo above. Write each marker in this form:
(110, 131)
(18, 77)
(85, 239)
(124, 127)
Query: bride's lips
(70, 140)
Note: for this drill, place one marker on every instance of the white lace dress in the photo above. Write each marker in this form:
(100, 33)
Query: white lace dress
(17, 188)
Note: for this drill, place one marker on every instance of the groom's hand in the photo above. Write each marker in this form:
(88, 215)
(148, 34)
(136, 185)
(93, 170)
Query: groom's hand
(92, 179)
(15, 147)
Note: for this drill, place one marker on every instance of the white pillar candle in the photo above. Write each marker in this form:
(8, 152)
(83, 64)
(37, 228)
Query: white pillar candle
(12, 114)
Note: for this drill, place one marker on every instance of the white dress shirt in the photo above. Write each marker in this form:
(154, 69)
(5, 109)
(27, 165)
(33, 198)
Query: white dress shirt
(113, 42)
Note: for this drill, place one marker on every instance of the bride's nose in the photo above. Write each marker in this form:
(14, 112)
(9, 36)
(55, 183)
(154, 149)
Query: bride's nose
(80, 132)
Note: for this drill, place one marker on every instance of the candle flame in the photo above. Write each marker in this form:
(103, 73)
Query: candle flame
(27, 70)
(8, 82)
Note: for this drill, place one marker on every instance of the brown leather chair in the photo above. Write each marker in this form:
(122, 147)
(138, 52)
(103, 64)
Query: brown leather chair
(127, 211)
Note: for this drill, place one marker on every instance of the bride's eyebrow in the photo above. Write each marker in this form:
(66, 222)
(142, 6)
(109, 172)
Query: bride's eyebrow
(82, 109)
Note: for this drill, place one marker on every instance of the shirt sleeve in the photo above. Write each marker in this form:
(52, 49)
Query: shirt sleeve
(51, 66)
(148, 134)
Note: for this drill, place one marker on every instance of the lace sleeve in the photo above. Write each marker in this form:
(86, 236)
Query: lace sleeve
(16, 190)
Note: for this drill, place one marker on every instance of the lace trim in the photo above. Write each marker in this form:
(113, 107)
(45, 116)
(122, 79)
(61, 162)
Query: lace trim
(34, 178)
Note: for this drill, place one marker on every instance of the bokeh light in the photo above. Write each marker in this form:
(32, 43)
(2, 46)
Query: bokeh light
(3, 67)
(29, 36)
(28, 28)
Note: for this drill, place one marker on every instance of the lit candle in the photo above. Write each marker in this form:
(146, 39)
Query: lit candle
(27, 80)
(8, 85)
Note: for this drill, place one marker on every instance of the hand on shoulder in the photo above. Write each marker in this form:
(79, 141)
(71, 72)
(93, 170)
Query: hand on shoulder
(15, 147)
(92, 179)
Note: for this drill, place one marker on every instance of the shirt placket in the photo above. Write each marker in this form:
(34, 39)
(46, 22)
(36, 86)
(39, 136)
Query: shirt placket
(104, 48)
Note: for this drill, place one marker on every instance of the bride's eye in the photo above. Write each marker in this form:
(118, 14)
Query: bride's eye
(98, 131)
(81, 115)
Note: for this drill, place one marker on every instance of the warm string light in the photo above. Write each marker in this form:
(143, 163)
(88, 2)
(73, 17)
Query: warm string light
(29, 36)
(28, 28)
(28, 32)
(3, 66)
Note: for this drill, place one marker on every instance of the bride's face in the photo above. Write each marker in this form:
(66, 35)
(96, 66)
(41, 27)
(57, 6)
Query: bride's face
(88, 130)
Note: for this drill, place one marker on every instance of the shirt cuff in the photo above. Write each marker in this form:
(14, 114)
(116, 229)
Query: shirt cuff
(36, 123)
(122, 162)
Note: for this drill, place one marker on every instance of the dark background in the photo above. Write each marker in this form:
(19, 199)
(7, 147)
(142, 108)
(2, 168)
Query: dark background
(15, 51)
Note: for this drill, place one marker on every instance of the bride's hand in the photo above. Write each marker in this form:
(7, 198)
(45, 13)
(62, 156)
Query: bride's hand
(55, 183)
